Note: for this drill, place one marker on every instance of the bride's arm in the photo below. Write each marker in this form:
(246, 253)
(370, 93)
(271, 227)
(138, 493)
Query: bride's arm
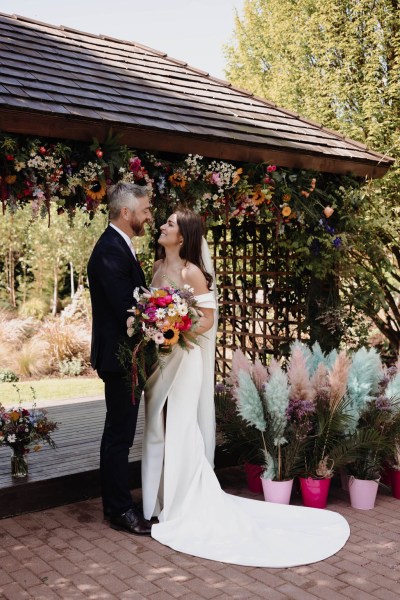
(195, 278)
(205, 322)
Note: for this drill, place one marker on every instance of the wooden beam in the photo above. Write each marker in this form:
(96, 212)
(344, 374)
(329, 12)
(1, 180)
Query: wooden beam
(58, 126)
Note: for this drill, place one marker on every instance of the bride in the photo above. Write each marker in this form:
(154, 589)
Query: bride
(179, 486)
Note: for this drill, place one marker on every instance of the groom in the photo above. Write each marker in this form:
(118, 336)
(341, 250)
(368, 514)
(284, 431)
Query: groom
(113, 273)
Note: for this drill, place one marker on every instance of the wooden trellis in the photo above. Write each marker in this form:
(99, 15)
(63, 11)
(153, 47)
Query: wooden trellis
(261, 303)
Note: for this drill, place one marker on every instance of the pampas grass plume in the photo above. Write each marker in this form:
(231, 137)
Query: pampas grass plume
(249, 403)
(331, 358)
(320, 381)
(273, 367)
(276, 395)
(338, 378)
(365, 374)
(300, 384)
(259, 374)
(239, 363)
(307, 354)
(318, 357)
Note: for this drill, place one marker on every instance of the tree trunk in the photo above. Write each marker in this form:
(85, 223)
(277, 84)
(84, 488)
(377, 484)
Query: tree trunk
(55, 289)
(71, 267)
(11, 274)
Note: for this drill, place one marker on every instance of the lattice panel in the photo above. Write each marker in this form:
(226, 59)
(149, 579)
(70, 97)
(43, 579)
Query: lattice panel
(261, 304)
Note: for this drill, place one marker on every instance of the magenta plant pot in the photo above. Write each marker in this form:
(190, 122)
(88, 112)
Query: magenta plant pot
(278, 492)
(253, 474)
(315, 491)
(386, 476)
(396, 484)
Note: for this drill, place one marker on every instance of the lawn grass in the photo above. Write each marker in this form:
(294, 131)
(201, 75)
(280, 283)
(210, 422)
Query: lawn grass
(51, 389)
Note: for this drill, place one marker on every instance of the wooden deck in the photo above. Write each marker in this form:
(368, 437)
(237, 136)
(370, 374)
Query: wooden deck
(69, 472)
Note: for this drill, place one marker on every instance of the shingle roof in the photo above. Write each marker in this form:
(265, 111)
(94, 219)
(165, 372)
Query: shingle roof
(64, 83)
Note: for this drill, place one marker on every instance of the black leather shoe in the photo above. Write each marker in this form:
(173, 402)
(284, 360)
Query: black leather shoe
(131, 522)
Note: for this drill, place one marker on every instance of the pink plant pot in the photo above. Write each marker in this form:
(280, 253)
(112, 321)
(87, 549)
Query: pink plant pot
(278, 492)
(315, 491)
(253, 474)
(362, 493)
(396, 483)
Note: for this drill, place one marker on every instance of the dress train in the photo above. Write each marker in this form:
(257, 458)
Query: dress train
(195, 515)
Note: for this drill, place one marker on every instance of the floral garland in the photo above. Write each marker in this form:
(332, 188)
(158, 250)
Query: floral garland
(304, 206)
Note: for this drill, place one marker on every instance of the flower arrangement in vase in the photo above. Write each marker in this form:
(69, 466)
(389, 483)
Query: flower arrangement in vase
(20, 429)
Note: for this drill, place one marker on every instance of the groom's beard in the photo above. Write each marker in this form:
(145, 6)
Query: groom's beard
(137, 228)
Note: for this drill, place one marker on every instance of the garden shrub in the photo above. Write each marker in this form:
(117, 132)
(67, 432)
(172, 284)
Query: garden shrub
(71, 368)
(35, 307)
(6, 375)
(65, 341)
(32, 358)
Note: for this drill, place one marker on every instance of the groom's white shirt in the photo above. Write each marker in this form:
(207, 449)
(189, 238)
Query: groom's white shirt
(126, 238)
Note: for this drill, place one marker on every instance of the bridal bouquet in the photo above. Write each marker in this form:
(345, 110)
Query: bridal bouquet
(161, 318)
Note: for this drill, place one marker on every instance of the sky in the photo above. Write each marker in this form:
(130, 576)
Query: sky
(193, 31)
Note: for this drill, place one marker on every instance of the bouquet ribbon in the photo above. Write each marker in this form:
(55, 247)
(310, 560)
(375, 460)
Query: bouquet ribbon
(135, 376)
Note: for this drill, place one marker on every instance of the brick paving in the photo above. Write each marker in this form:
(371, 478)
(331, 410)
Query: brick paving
(70, 552)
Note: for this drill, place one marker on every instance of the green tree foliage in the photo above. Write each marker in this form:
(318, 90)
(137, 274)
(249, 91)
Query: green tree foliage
(338, 62)
(35, 257)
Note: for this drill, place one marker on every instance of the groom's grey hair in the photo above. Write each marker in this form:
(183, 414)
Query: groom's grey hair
(124, 194)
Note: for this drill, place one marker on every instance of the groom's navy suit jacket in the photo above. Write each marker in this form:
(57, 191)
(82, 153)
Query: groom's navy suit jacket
(113, 274)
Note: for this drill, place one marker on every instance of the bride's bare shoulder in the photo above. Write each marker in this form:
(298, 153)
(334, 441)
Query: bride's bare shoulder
(193, 276)
(157, 265)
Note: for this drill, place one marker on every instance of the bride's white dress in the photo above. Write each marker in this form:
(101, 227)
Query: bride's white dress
(180, 488)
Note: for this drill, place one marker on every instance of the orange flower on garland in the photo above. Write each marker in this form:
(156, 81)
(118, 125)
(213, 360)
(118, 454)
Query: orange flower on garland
(287, 197)
(286, 211)
(10, 179)
(177, 180)
(97, 190)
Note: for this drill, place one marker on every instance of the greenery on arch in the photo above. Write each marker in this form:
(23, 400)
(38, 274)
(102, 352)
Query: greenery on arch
(305, 209)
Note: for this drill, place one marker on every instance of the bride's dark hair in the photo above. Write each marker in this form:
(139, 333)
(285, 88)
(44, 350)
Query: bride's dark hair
(191, 228)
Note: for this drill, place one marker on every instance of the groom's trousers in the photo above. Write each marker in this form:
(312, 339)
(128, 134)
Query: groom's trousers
(118, 436)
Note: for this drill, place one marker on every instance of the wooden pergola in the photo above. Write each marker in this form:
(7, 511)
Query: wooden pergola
(62, 83)
(66, 84)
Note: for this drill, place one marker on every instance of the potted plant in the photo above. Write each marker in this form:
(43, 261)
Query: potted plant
(322, 452)
(21, 429)
(394, 462)
(262, 398)
(237, 438)
(374, 426)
